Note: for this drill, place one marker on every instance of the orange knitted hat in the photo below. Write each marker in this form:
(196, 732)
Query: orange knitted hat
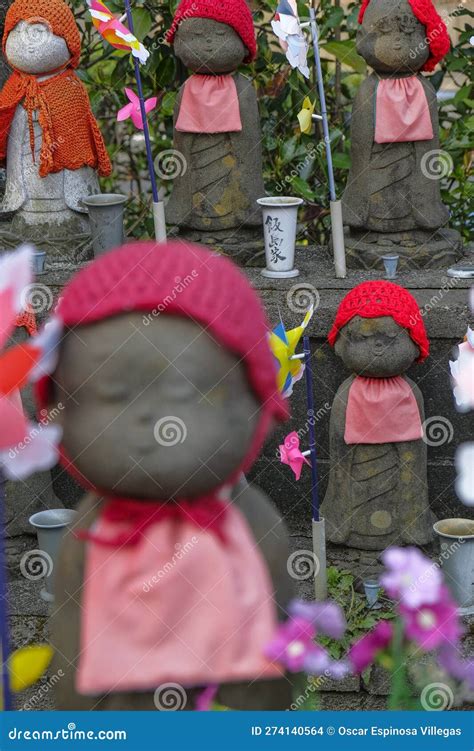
(55, 13)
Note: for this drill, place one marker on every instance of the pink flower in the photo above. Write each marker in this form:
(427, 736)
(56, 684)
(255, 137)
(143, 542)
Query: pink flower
(432, 624)
(411, 577)
(292, 643)
(133, 110)
(364, 651)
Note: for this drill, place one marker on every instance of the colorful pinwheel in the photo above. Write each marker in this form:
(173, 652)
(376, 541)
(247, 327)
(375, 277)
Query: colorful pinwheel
(133, 109)
(305, 115)
(283, 345)
(114, 32)
(24, 447)
(286, 26)
(291, 454)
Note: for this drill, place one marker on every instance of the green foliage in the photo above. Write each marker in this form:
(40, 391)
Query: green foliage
(293, 162)
(360, 619)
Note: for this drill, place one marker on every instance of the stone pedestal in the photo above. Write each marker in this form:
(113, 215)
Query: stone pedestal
(427, 250)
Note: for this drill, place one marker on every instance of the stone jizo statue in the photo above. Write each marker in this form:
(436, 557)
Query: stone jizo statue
(175, 577)
(48, 135)
(377, 493)
(216, 126)
(392, 202)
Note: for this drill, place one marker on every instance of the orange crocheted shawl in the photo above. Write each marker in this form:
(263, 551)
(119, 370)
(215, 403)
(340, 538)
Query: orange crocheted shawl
(71, 136)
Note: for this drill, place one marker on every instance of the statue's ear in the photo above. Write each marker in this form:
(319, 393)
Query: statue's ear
(339, 345)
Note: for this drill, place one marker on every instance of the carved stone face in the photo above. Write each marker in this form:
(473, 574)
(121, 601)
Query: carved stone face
(33, 48)
(207, 46)
(153, 408)
(391, 39)
(376, 347)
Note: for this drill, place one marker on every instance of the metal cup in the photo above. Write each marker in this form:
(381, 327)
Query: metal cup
(372, 589)
(106, 220)
(50, 527)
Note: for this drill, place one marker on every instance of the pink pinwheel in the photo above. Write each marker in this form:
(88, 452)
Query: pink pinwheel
(133, 110)
(290, 454)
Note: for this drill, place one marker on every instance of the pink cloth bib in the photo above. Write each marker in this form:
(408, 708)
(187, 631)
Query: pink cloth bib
(381, 410)
(401, 111)
(209, 105)
(180, 605)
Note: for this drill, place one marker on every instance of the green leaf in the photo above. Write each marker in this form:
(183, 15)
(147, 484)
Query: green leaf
(302, 187)
(142, 23)
(345, 52)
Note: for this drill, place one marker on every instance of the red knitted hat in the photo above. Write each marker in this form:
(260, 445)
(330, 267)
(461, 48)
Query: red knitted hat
(179, 278)
(55, 13)
(380, 298)
(235, 13)
(437, 36)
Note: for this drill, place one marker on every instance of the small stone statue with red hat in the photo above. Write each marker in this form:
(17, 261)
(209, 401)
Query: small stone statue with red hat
(49, 137)
(378, 493)
(392, 202)
(217, 127)
(170, 587)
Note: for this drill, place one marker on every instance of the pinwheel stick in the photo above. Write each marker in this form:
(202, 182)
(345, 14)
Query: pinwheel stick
(335, 205)
(4, 631)
(318, 526)
(158, 206)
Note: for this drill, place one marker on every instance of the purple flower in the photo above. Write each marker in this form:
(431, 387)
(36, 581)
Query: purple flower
(411, 577)
(364, 651)
(206, 697)
(432, 624)
(327, 617)
(454, 665)
(292, 643)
